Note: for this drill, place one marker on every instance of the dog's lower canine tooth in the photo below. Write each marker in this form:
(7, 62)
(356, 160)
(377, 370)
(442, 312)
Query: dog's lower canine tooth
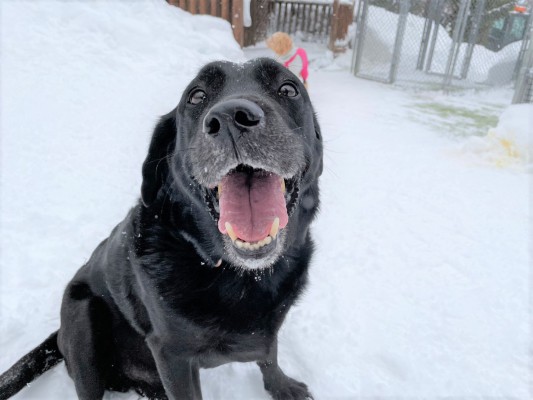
(231, 232)
(275, 228)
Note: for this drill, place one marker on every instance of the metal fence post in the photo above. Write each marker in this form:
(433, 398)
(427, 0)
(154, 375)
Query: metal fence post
(458, 32)
(473, 36)
(436, 11)
(526, 42)
(362, 11)
(405, 5)
(524, 84)
(426, 33)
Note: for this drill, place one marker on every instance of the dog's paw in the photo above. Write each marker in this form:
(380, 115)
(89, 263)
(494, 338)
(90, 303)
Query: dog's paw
(288, 389)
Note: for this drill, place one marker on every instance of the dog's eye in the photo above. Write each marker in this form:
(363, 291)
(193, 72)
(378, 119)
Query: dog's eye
(288, 90)
(197, 97)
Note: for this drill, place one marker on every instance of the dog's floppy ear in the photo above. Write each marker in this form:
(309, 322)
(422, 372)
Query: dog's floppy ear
(155, 166)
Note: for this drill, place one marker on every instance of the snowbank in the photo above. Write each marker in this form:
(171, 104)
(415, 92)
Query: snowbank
(509, 143)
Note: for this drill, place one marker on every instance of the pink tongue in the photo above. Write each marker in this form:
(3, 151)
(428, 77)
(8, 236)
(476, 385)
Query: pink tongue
(250, 203)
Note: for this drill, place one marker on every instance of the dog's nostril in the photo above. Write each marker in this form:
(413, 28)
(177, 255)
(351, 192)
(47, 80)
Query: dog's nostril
(243, 119)
(211, 125)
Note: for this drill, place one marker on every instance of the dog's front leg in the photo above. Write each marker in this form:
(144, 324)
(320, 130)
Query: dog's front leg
(179, 374)
(279, 385)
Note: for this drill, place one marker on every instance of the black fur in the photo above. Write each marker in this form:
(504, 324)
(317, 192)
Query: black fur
(154, 303)
(29, 367)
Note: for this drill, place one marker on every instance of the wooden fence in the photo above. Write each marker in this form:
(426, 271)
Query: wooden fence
(318, 21)
(291, 16)
(341, 19)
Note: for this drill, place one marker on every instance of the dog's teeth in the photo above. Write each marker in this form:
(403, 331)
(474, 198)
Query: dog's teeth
(219, 263)
(219, 191)
(283, 186)
(231, 232)
(253, 246)
(275, 228)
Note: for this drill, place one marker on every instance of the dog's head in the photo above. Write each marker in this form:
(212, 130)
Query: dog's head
(243, 149)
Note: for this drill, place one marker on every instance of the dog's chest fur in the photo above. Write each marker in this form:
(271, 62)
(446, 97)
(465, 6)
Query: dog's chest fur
(218, 315)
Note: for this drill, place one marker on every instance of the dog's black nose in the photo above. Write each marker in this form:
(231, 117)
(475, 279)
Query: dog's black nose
(241, 113)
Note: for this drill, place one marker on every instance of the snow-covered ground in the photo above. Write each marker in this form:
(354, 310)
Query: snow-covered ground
(420, 285)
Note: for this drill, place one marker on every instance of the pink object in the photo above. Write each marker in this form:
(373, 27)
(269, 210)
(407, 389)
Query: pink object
(250, 203)
(305, 63)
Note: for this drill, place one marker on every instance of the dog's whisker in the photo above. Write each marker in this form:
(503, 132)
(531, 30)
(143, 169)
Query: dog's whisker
(170, 155)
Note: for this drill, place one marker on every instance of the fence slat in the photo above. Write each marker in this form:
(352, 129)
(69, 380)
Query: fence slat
(291, 14)
(282, 28)
(308, 18)
(316, 19)
(278, 26)
(202, 9)
(323, 11)
(224, 9)
(329, 14)
(301, 15)
(237, 21)
(192, 6)
(214, 8)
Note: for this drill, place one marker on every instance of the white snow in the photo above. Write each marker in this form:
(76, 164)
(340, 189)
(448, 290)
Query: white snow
(247, 18)
(420, 284)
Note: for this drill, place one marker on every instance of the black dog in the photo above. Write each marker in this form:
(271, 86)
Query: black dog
(203, 271)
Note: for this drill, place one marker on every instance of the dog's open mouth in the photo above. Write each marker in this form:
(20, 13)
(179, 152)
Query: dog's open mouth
(252, 206)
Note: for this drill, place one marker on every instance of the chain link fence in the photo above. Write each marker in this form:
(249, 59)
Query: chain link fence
(447, 43)
(524, 81)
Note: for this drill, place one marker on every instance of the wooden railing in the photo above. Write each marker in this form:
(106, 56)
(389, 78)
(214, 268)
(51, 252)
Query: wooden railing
(318, 21)
(291, 16)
